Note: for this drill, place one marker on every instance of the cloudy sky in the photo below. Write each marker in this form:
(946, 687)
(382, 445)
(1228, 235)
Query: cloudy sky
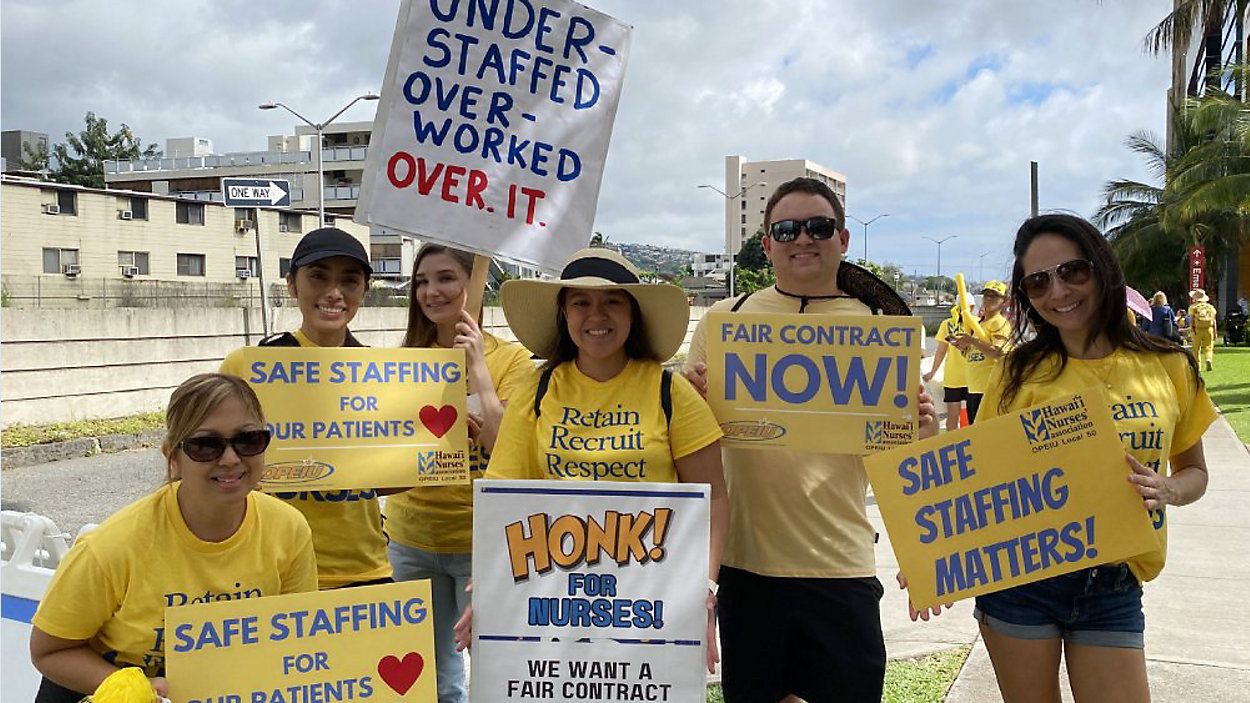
(932, 108)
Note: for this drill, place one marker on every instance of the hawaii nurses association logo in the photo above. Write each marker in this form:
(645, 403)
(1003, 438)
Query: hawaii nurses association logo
(432, 465)
(1050, 424)
(884, 434)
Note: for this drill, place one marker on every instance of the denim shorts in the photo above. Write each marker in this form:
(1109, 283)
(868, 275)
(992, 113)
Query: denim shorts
(1099, 607)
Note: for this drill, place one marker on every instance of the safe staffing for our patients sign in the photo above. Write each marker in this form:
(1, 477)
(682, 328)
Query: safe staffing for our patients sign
(589, 591)
(837, 384)
(1010, 500)
(371, 643)
(494, 124)
(359, 417)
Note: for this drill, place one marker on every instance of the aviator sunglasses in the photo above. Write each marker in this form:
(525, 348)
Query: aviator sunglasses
(817, 228)
(1074, 272)
(211, 447)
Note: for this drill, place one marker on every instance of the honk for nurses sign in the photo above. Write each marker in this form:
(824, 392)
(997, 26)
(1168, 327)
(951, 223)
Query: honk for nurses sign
(589, 591)
(359, 417)
(1010, 500)
(371, 643)
(816, 383)
(493, 128)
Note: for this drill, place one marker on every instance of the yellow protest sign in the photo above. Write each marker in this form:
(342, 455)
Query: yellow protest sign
(359, 417)
(373, 642)
(1010, 500)
(837, 384)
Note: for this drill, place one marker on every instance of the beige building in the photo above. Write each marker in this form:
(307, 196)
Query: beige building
(749, 183)
(71, 246)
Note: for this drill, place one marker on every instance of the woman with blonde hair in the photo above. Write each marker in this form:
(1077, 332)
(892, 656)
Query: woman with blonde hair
(204, 535)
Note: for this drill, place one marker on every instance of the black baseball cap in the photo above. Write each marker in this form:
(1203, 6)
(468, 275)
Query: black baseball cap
(327, 242)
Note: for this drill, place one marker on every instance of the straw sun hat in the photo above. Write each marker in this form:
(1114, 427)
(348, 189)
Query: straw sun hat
(1198, 295)
(531, 305)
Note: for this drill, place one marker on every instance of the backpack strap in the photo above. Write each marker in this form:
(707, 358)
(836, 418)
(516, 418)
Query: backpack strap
(544, 380)
(738, 303)
(666, 396)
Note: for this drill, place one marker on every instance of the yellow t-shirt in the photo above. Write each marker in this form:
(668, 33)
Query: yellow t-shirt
(440, 518)
(955, 374)
(1158, 406)
(979, 366)
(1203, 315)
(611, 430)
(113, 586)
(346, 524)
(795, 514)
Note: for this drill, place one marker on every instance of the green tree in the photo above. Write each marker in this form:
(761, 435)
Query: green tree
(751, 256)
(80, 160)
(599, 240)
(750, 280)
(35, 159)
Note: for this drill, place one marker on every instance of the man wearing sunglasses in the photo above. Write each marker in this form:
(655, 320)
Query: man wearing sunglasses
(799, 601)
(982, 354)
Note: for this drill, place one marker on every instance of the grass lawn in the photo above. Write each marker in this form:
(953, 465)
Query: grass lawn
(922, 680)
(28, 435)
(1229, 386)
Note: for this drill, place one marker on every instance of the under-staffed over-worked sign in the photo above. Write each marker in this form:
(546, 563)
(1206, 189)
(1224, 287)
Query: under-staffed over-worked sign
(358, 417)
(372, 643)
(1010, 500)
(255, 192)
(602, 599)
(494, 125)
(836, 384)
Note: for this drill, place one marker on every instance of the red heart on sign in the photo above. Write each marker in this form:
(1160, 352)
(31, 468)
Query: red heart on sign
(399, 674)
(438, 420)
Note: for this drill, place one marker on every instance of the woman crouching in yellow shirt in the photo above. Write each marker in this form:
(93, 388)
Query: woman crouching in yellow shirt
(603, 408)
(203, 536)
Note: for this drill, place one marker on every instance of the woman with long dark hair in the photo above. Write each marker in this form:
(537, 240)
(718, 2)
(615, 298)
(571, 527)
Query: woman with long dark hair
(1070, 291)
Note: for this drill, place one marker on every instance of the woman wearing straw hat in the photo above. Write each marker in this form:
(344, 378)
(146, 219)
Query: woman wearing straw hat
(604, 334)
(1202, 320)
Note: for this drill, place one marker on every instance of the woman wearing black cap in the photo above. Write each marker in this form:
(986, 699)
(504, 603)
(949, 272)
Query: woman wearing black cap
(328, 278)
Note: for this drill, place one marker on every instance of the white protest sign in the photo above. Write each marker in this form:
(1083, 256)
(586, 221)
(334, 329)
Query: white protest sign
(494, 125)
(589, 591)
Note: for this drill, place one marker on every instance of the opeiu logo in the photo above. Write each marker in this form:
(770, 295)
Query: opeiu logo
(294, 473)
(748, 431)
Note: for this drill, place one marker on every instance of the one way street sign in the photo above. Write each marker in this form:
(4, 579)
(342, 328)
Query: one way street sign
(256, 192)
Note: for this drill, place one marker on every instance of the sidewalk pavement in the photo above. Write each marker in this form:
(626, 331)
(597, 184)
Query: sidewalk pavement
(1197, 638)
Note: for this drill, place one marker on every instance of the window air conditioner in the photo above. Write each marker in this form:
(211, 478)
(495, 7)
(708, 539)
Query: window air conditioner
(130, 271)
(244, 225)
(125, 214)
(243, 273)
(51, 209)
(71, 270)
(284, 228)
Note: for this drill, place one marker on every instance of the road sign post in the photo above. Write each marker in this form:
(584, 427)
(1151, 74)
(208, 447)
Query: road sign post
(257, 192)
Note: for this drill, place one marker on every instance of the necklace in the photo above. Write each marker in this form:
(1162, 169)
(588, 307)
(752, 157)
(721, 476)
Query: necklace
(1104, 369)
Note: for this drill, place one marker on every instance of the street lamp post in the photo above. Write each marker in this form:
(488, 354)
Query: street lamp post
(865, 224)
(318, 127)
(728, 207)
(981, 266)
(938, 242)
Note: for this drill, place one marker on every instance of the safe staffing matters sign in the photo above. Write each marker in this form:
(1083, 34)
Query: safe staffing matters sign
(1010, 500)
(589, 591)
(494, 125)
(839, 384)
(373, 643)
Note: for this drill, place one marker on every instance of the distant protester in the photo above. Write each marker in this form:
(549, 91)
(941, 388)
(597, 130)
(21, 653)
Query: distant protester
(1163, 321)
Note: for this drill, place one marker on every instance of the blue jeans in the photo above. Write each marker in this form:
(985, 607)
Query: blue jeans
(448, 575)
(1099, 607)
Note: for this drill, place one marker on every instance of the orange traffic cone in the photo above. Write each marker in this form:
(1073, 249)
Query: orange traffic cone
(963, 417)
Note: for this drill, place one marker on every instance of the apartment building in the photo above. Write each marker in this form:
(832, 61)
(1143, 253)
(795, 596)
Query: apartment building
(749, 183)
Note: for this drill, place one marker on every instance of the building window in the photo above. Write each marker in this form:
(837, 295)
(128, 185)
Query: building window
(136, 259)
(244, 218)
(55, 260)
(247, 263)
(744, 218)
(190, 214)
(292, 222)
(190, 264)
(67, 200)
(139, 209)
(744, 203)
(284, 266)
(744, 231)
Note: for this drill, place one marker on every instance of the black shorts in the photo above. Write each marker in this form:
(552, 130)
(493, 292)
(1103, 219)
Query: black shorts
(955, 395)
(52, 692)
(974, 404)
(819, 639)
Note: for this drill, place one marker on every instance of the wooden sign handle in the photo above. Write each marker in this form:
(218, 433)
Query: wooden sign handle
(477, 285)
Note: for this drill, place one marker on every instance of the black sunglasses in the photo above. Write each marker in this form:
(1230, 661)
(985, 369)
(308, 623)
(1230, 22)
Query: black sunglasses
(1074, 272)
(211, 447)
(817, 228)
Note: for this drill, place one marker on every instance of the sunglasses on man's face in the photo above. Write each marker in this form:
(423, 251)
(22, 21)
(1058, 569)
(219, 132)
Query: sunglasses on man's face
(1074, 272)
(817, 228)
(211, 447)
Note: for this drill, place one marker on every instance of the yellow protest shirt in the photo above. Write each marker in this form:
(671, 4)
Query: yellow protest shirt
(979, 366)
(346, 524)
(612, 430)
(1156, 402)
(113, 586)
(1203, 315)
(955, 375)
(440, 518)
(794, 514)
